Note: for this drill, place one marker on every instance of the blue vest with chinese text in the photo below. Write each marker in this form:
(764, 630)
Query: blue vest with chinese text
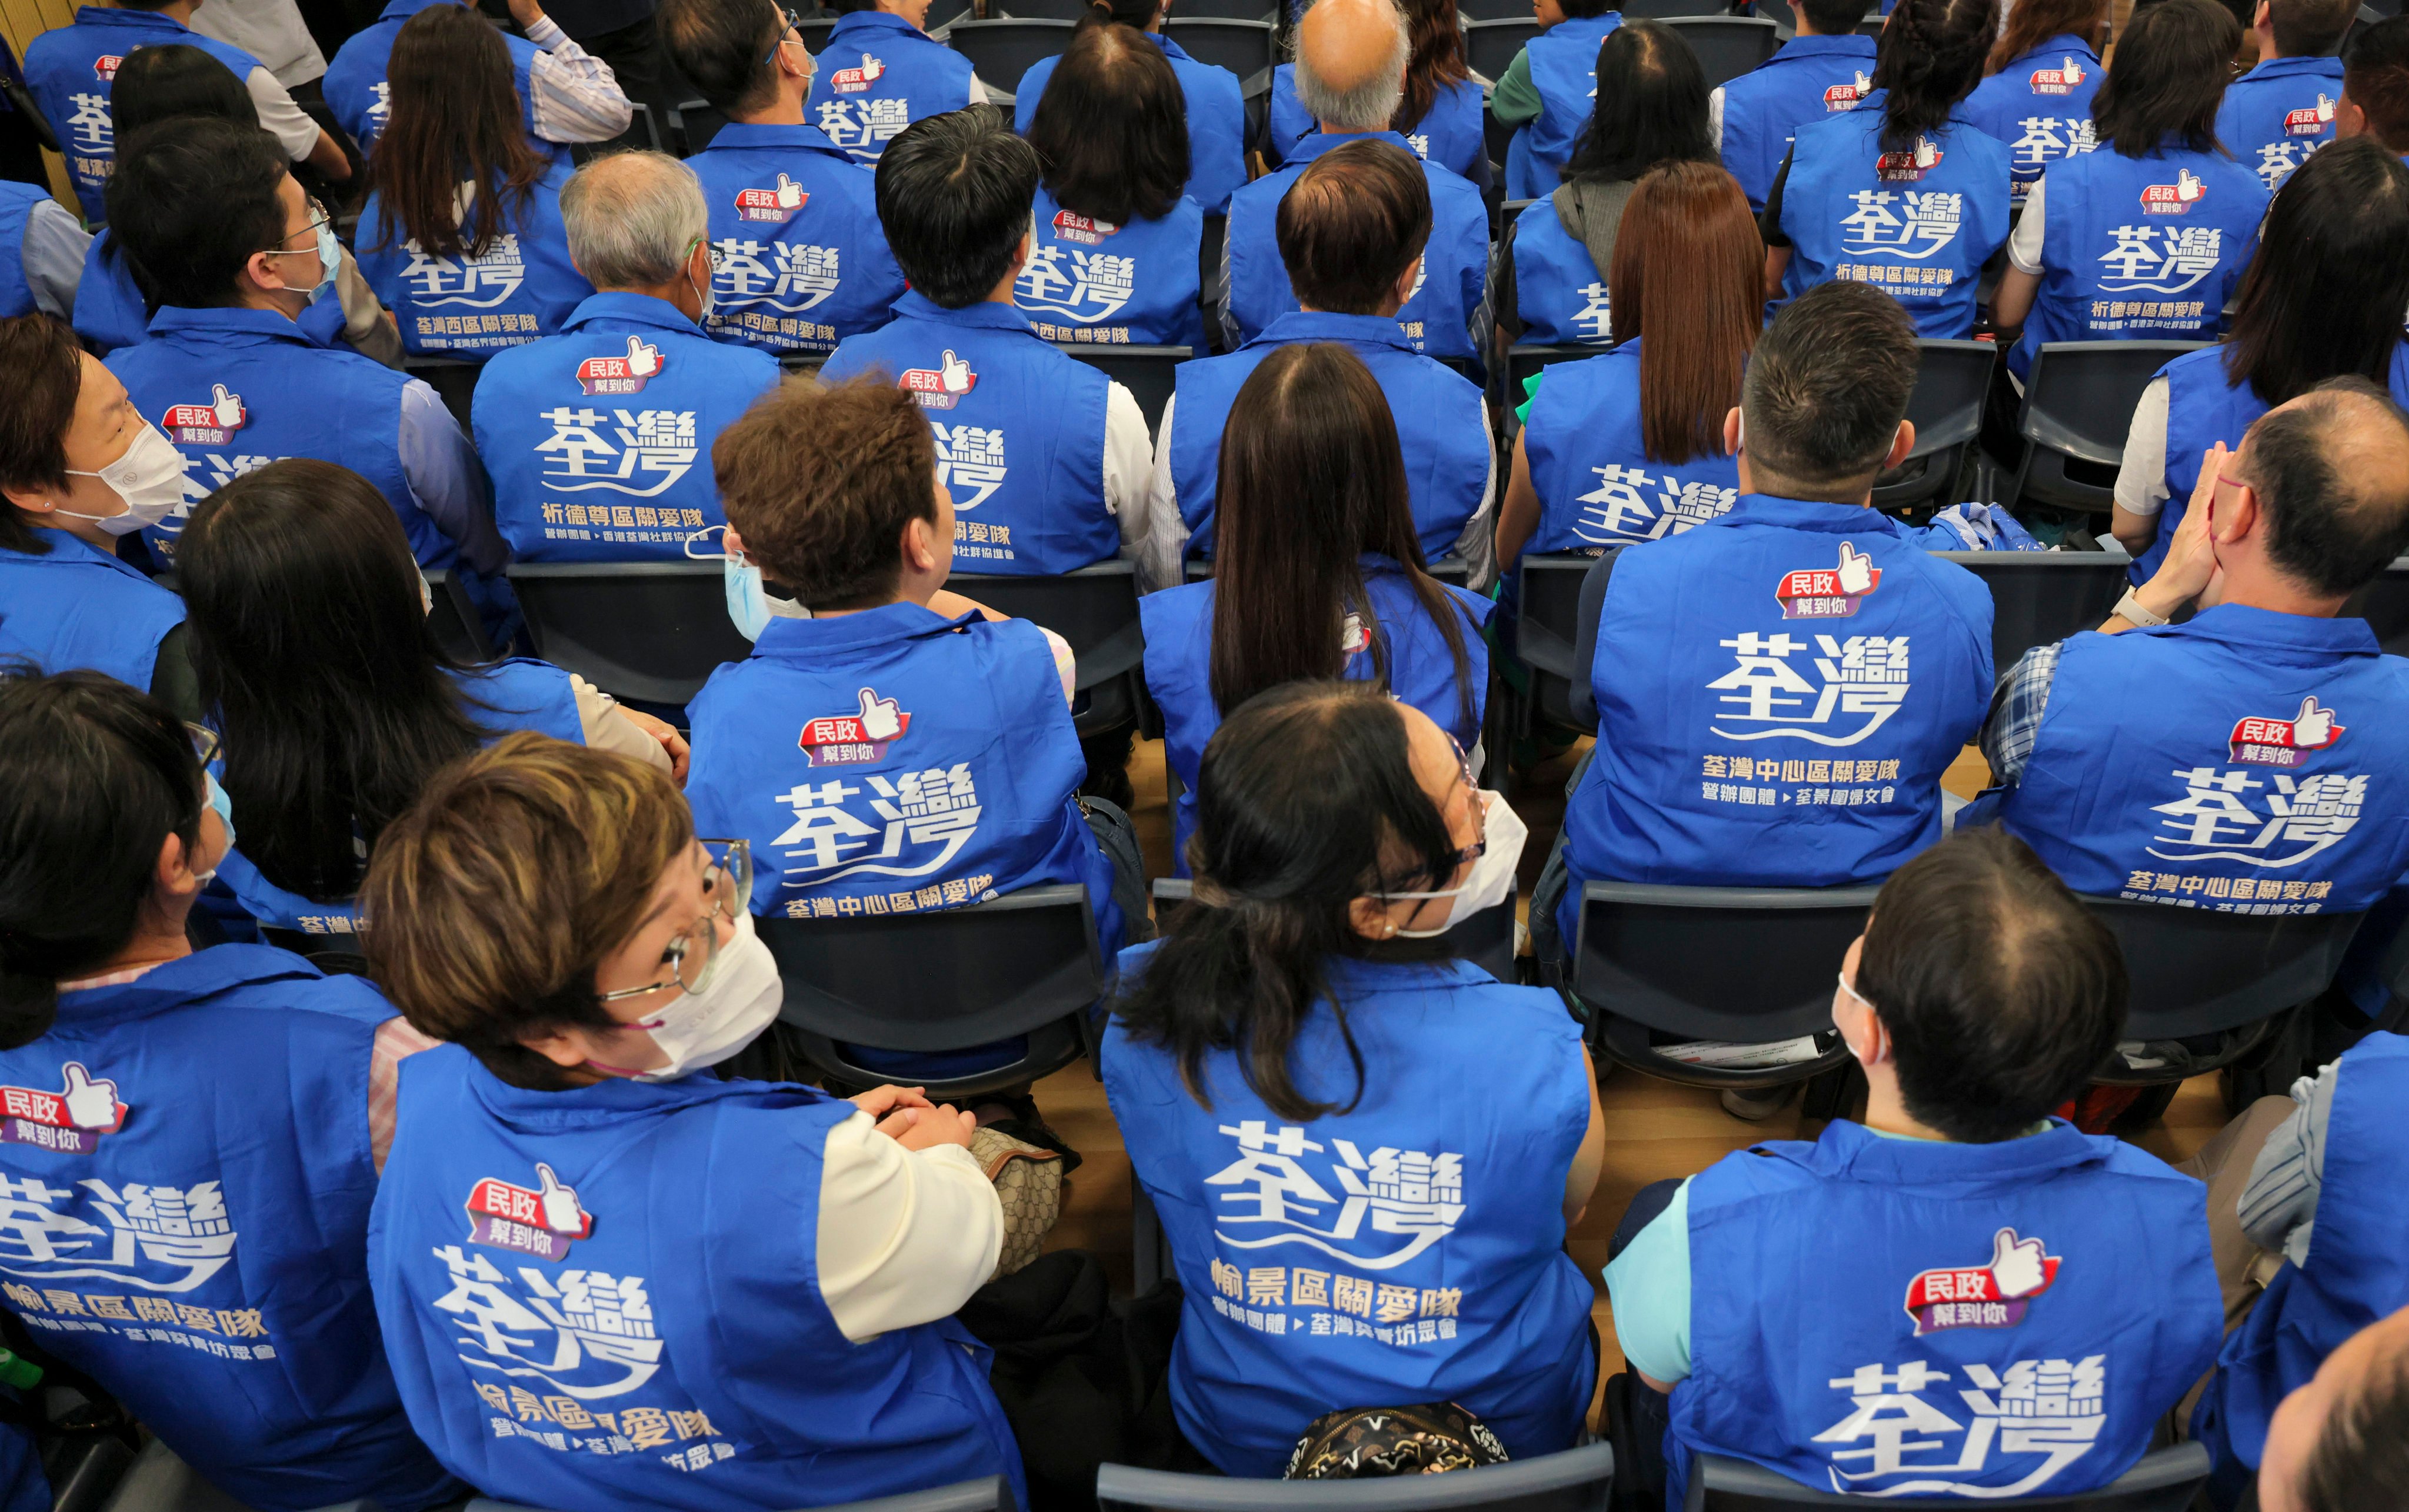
(1089, 281)
(1810, 78)
(522, 287)
(1558, 291)
(1409, 1249)
(598, 440)
(1597, 486)
(1564, 70)
(109, 312)
(70, 69)
(879, 73)
(890, 761)
(803, 262)
(610, 1296)
(1450, 134)
(17, 202)
(187, 1176)
(75, 606)
(1455, 261)
(2145, 248)
(1446, 453)
(1019, 428)
(2245, 761)
(2009, 1320)
(1917, 225)
(2278, 114)
(1216, 121)
(2040, 107)
(1179, 623)
(354, 83)
(1779, 690)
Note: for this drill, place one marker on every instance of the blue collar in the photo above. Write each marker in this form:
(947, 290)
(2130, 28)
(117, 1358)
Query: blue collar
(131, 21)
(811, 641)
(2264, 632)
(1853, 1151)
(1586, 28)
(1827, 47)
(1323, 326)
(203, 973)
(1314, 143)
(235, 323)
(630, 309)
(2063, 43)
(68, 548)
(868, 21)
(2285, 68)
(404, 10)
(740, 136)
(1353, 974)
(611, 1103)
(1812, 514)
(1170, 49)
(985, 315)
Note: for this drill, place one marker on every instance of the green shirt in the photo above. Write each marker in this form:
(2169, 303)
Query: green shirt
(1516, 102)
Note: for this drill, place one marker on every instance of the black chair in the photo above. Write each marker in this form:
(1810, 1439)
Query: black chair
(651, 631)
(693, 125)
(1262, 10)
(1548, 635)
(1727, 45)
(337, 954)
(1952, 382)
(1523, 361)
(1003, 49)
(993, 1494)
(1095, 610)
(2163, 1482)
(2384, 605)
(1468, 11)
(454, 382)
(1574, 1480)
(1871, 26)
(1450, 570)
(1243, 47)
(2199, 975)
(642, 132)
(1780, 13)
(1149, 373)
(1036, 9)
(2040, 596)
(1490, 46)
(1738, 965)
(1486, 938)
(1581, 696)
(458, 628)
(157, 1481)
(1026, 964)
(1149, 1248)
(2079, 400)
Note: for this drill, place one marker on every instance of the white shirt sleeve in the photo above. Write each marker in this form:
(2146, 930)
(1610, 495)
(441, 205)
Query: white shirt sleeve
(2141, 482)
(51, 255)
(978, 90)
(2024, 244)
(905, 1236)
(1127, 460)
(1477, 545)
(576, 97)
(279, 117)
(1715, 116)
(1167, 534)
(446, 480)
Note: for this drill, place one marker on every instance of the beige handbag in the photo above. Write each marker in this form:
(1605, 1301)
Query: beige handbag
(1028, 1182)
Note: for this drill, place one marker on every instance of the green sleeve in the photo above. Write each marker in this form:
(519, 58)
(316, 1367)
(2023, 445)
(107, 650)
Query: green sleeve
(1650, 1285)
(173, 682)
(1517, 100)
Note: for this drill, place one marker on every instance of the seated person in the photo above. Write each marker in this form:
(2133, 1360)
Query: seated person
(1115, 255)
(568, 484)
(2284, 110)
(1547, 92)
(325, 739)
(799, 262)
(1043, 454)
(1351, 72)
(883, 73)
(1352, 232)
(2320, 299)
(2039, 81)
(1562, 245)
(1337, 831)
(567, 94)
(1207, 102)
(203, 1129)
(2337, 1444)
(1317, 535)
(1629, 447)
(42, 253)
(79, 468)
(1992, 1252)
(1760, 649)
(1441, 114)
(2081, 274)
(2375, 86)
(461, 235)
(1825, 68)
(778, 1271)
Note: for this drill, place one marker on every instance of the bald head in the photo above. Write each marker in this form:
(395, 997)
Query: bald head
(2330, 471)
(2341, 1443)
(1350, 63)
(633, 219)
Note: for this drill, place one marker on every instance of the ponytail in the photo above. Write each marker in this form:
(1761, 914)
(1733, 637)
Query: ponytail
(1928, 59)
(1135, 14)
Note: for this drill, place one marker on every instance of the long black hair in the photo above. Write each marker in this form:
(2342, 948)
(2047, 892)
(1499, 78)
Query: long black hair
(2168, 79)
(1305, 801)
(1651, 106)
(311, 645)
(1112, 126)
(2323, 293)
(1929, 57)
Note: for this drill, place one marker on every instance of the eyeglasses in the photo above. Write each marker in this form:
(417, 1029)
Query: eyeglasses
(204, 742)
(318, 216)
(1479, 847)
(788, 21)
(727, 886)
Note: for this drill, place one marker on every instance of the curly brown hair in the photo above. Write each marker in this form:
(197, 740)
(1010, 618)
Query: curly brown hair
(820, 480)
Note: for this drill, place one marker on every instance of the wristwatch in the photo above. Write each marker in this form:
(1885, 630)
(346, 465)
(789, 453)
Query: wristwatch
(2129, 608)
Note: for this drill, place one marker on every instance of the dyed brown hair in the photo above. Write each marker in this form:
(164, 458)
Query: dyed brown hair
(455, 118)
(820, 480)
(1690, 223)
(44, 377)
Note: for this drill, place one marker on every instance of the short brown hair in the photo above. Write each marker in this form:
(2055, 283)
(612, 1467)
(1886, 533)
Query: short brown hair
(2310, 28)
(820, 481)
(493, 899)
(1352, 223)
(44, 377)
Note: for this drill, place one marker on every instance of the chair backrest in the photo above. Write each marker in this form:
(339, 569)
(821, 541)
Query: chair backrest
(2384, 605)
(1780, 13)
(1548, 635)
(1467, 12)
(1486, 938)
(454, 618)
(1747, 965)
(337, 954)
(2196, 971)
(652, 631)
(1003, 49)
(2079, 399)
(1582, 697)
(1490, 46)
(1095, 610)
(1952, 380)
(1149, 373)
(1727, 45)
(992, 1494)
(454, 382)
(2040, 596)
(694, 124)
(1574, 1480)
(2163, 1482)
(1242, 47)
(1036, 10)
(1523, 361)
(1450, 568)
(1871, 26)
(1262, 10)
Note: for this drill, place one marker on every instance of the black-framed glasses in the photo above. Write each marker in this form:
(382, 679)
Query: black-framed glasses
(727, 886)
(1479, 847)
(788, 21)
(319, 216)
(204, 742)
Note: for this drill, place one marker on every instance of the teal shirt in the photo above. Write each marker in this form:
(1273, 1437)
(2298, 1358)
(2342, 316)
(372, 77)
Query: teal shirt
(1516, 102)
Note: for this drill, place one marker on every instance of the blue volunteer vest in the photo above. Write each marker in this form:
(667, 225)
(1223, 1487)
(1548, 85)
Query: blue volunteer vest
(2145, 248)
(1450, 134)
(1919, 233)
(237, 389)
(75, 606)
(1558, 291)
(70, 69)
(593, 460)
(1564, 70)
(202, 1256)
(109, 312)
(1446, 444)
(1597, 484)
(2225, 763)
(2278, 114)
(17, 202)
(1089, 281)
(2010, 1318)
(891, 762)
(1455, 261)
(610, 1296)
(470, 307)
(1216, 121)
(1178, 625)
(511, 695)
(1810, 78)
(878, 74)
(1738, 664)
(24, 1487)
(354, 83)
(1019, 428)
(2357, 1272)
(1456, 1288)
(2203, 408)
(801, 261)
(2040, 105)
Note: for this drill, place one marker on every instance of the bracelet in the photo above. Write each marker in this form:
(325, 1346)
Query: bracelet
(2129, 608)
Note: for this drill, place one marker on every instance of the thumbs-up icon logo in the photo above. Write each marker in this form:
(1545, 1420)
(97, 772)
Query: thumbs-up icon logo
(226, 407)
(2279, 742)
(539, 1221)
(853, 80)
(1925, 153)
(778, 203)
(1829, 592)
(2325, 111)
(70, 1120)
(91, 1105)
(621, 373)
(1856, 572)
(872, 67)
(1995, 1295)
(2313, 726)
(940, 387)
(791, 194)
(2071, 71)
(2017, 1265)
(1845, 96)
(881, 718)
(860, 736)
(561, 1212)
(2187, 188)
(956, 374)
(643, 360)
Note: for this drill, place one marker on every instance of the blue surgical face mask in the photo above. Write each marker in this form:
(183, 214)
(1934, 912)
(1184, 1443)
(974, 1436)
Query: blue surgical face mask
(748, 604)
(216, 799)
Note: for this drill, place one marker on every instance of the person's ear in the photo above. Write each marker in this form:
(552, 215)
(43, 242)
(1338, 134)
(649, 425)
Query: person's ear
(1369, 917)
(920, 544)
(2263, 16)
(30, 503)
(1901, 444)
(176, 875)
(1861, 1029)
(1732, 431)
(262, 271)
(1406, 280)
(566, 1048)
(730, 542)
(2349, 119)
(2230, 525)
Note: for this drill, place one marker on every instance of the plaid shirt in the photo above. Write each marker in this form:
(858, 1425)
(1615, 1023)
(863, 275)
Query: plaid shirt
(2014, 722)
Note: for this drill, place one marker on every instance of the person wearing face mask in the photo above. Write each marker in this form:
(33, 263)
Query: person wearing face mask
(1295, 1030)
(1959, 1248)
(79, 467)
(232, 1092)
(778, 1268)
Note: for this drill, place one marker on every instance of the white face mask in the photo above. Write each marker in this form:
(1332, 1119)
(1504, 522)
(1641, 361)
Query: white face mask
(150, 478)
(1491, 879)
(739, 995)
